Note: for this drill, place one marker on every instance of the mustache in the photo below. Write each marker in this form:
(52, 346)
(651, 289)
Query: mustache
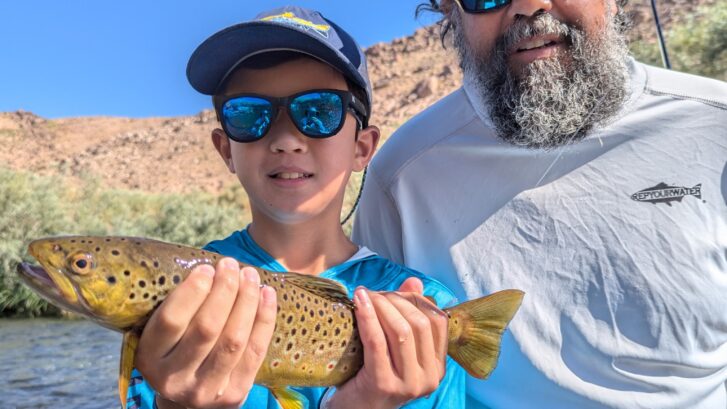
(539, 25)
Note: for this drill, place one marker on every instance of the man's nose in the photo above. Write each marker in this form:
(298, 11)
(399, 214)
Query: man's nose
(529, 8)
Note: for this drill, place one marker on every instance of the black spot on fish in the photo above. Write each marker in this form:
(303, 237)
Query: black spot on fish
(278, 307)
(302, 318)
(345, 325)
(156, 264)
(115, 252)
(296, 356)
(321, 347)
(343, 343)
(123, 239)
(305, 308)
(176, 279)
(315, 301)
(98, 249)
(290, 319)
(338, 331)
(111, 279)
(312, 313)
(320, 312)
(162, 280)
(138, 243)
(293, 332)
(297, 306)
(146, 295)
(325, 333)
(127, 273)
(303, 332)
(330, 320)
(285, 297)
(313, 341)
(277, 340)
(153, 282)
(108, 240)
(143, 264)
(142, 283)
(318, 327)
(289, 346)
(330, 344)
(132, 296)
(73, 241)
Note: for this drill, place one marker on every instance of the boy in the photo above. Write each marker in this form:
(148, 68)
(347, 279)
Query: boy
(292, 94)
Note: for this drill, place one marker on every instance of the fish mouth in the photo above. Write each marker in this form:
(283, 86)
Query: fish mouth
(38, 279)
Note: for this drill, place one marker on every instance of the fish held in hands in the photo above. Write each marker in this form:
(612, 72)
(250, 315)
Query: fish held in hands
(119, 281)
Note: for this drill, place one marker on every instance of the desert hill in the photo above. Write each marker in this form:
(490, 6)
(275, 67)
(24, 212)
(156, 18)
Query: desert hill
(175, 155)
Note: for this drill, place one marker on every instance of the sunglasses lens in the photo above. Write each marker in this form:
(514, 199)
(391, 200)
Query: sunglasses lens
(317, 114)
(247, 119)
(474, 6)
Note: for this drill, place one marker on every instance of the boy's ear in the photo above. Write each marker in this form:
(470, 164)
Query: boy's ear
(222, 144)
(368, 139)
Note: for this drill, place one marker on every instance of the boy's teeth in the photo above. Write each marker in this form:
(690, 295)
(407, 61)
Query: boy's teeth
(291, 175)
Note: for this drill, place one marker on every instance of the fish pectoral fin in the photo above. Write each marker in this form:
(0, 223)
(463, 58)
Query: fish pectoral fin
(128, 352)
(288, 398)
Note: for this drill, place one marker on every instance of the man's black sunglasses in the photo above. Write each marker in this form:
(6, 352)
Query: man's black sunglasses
(482, 6)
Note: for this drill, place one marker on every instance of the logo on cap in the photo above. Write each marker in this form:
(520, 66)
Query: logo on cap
(290, 19)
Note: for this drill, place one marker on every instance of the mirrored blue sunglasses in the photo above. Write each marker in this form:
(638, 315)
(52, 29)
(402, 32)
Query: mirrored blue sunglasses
(482, 6)
(318, 113)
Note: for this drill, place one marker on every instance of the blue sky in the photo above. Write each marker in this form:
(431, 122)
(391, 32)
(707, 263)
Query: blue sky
(128, 58)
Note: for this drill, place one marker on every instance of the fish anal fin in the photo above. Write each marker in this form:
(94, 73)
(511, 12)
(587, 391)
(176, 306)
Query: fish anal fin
(288, 398)
(126, 364)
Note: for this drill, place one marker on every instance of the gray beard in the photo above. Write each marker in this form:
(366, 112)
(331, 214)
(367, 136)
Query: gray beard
(553, 101)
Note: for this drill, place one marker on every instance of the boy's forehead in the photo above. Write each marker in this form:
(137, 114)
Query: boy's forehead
(289, 76)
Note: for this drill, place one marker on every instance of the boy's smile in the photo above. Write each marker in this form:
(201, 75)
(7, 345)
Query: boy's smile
(290, 177)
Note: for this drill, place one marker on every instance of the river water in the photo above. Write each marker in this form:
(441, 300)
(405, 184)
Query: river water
(58, 364)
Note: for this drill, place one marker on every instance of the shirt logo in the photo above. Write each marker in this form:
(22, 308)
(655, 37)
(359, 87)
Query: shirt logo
(663, 193)
(290, 19)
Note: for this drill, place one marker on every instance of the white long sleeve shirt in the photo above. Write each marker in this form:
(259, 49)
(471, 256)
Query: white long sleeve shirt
(619, 242)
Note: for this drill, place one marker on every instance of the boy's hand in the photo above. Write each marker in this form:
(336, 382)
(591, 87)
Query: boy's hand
(204, 345)
(404, 339)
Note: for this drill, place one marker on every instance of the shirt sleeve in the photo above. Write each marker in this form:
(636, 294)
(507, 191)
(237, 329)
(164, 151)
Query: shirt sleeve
(377, 224)
(449, 394)
(140, 395)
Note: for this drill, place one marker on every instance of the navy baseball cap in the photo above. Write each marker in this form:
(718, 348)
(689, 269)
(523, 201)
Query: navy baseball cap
(288, 28)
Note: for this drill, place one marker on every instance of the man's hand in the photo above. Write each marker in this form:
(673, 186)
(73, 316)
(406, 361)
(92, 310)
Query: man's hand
(204, 345)
(404, 340)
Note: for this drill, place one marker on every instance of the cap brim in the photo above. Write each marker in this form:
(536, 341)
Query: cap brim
(220, 54)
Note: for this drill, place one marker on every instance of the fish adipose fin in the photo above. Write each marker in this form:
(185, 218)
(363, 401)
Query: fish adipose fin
(128, 352)
(476, 327)
(288, 398)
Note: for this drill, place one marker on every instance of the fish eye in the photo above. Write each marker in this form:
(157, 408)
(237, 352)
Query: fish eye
(81, 263)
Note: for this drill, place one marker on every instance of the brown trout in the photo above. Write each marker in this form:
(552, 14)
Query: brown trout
(119, 281)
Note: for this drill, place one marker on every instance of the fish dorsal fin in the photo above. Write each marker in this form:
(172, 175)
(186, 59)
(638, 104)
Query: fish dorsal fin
(322, 287)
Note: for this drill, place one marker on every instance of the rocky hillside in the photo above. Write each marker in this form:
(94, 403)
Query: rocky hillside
(175, 154)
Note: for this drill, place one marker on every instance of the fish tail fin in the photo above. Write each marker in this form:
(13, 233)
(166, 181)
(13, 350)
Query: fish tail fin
(288, 398)
(128, 352)
(476, 327)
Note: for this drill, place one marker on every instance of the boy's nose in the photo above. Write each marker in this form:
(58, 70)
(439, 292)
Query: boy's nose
(284, 136)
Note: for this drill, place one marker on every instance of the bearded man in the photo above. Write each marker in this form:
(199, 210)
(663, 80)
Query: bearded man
(596, 184)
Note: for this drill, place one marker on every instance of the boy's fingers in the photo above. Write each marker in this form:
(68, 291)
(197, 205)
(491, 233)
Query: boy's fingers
(206, 326)
(439, 321)
(422, 333)
(259, 340)
(170, 321)
(231, 344)
(373, 339)
(399, 335)
(412, 285)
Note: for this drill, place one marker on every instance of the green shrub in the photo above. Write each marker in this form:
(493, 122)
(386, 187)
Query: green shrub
(698, 45)
(32, 207)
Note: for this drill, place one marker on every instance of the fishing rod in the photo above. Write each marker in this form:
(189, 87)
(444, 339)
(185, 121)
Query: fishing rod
(662, 43)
